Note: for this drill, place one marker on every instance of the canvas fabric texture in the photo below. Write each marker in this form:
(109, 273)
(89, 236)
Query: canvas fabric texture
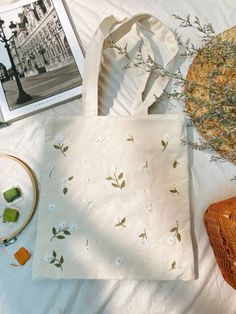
(115, 190)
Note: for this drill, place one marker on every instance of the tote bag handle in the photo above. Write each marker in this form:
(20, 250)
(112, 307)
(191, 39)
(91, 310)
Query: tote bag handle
(102, 40)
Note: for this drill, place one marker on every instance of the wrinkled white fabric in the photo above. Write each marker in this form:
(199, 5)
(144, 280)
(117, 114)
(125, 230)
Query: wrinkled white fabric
(209, 182)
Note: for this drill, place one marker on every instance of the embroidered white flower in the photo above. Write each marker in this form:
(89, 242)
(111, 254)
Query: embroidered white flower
(73, 227)
(148, 208)
(59, 138)
(119, 261)
(66, 143)
(48, 258)
(171, 240)
(66, 183)
(144, 242)
(99, 139)
(87, 203)
(51, 207)
(115, 168)
(62, 225)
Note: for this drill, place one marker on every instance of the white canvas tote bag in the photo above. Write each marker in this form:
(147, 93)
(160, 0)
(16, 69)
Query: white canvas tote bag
(114, 190)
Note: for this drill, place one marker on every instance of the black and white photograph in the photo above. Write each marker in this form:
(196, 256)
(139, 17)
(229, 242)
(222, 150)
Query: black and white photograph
(36, 59)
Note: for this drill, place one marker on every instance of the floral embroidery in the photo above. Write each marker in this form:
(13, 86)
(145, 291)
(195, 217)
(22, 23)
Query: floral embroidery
(52, 207)
(87, 204)
(119, 261)
(149, 208)
(52, 259)
(144, 242)
(66, 183)
(173, 266)
(146, 167)
(61, 145)
(100, 139)
(62, 231)
(164, 144)
(175, 163)
(143, 235)
(121, 223)
(174, 190)
(130, 138)
(73, 227)
(118, 181)
(177, 235)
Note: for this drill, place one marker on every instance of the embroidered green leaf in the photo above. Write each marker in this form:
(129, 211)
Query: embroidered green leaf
(178, 236)
(123, 220)
(130, 138)
(164, 144)
(54, 254)
(56, 146)
(53, 261)
(123, 184)
(120, 176)
(70, 178)
(57, 265)
(121, 223)
(67, 232)
(143, 235)
(65, 190)
(173, 229)
(109, 178)
(174, 190)
(65, 149)
(115, 185)
(173, 266)
(54, 231)
(61, 260)
(60, 237)
(175, 164)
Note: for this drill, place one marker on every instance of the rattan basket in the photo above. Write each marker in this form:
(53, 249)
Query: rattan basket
(220, 221)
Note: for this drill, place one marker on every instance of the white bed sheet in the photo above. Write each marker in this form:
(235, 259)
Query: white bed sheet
(210, 182)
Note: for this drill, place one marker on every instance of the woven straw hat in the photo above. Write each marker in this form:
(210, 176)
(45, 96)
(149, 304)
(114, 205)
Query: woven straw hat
(218, 129)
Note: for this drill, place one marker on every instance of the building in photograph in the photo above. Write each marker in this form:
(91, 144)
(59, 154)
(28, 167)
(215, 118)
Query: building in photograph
(40, 44)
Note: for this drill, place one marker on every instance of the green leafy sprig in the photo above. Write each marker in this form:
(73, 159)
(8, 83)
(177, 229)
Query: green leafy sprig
(57, 262)
(164, 144)
(143, 235)
(63, 148)
(174, 190)
(60, 233)
(118, 181)
(65, 189)
(121, 223)
(177, 235)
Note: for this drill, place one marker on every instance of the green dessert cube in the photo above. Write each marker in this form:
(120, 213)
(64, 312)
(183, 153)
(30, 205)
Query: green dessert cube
(10, 215)
(12, 194)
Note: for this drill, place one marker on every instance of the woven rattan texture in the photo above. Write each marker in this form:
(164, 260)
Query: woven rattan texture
(220, 221)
